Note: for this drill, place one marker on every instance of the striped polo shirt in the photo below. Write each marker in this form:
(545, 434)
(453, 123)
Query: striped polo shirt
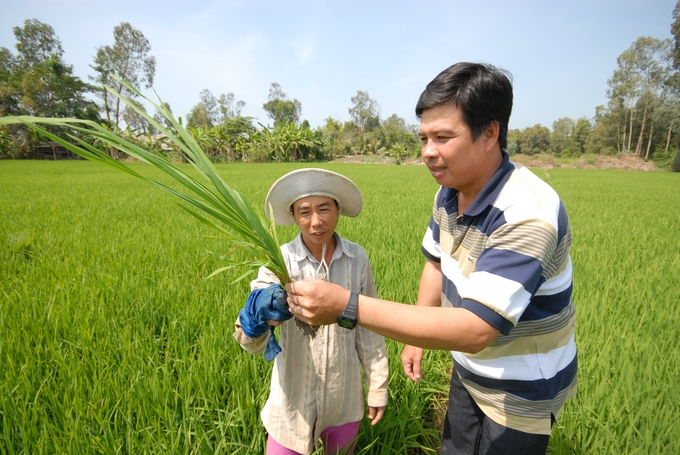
(507, 260)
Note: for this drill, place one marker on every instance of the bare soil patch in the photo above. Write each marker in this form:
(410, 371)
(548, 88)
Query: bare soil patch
(623, 162)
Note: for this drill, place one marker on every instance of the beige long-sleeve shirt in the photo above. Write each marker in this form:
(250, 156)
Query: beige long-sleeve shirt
(317, 383)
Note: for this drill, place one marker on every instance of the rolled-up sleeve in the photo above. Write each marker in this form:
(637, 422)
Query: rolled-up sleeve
(251, 345)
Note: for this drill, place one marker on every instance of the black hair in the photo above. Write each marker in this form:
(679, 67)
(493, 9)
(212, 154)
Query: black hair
(481, 91)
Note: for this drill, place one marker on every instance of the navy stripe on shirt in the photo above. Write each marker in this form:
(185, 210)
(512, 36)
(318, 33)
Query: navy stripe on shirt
(536, 390)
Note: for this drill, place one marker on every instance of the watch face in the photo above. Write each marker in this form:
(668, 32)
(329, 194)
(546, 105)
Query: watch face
(347, 323)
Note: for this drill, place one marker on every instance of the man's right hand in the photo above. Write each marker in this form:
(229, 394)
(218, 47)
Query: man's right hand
(316, 302)
(411, 359)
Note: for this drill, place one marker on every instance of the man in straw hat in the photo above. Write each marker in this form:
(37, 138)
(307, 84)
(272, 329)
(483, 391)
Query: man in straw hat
(497, 282)
(316, 386)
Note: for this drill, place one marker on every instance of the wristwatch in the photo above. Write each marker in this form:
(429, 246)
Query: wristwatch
(348, 318)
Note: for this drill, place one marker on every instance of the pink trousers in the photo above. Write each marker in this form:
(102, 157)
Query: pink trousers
(334, 440)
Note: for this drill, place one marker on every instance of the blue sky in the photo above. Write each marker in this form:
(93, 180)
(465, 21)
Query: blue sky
(560, 53)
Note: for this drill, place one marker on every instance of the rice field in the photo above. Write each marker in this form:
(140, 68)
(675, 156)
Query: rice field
(113, 341)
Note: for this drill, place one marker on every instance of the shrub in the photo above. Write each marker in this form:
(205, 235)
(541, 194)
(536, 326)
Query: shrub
(675, 165)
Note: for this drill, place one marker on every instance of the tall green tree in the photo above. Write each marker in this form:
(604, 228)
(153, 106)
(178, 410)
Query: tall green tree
(334, 135)
(675, 31)
(211, 111)
(638, 81)
(365, 111)
(136, 121)
(582, 130)
(675, 78)
(38, 82)
(280, 108)
(561, 136)
(128, 59)
(229, 107)
(36, 43)
(606, 138)
(400, 138)
(9, 92)
(569, 137)
(205, 113)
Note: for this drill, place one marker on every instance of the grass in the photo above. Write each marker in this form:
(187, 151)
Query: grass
(112, 340)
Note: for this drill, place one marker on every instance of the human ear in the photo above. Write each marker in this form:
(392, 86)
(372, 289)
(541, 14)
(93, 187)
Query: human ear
(491, 135)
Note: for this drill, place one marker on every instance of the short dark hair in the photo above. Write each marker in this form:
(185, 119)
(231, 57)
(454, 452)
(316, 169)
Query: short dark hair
(481, 91)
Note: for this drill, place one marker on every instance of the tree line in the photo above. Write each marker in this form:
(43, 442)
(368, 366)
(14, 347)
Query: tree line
(642, 115)
(37, 82)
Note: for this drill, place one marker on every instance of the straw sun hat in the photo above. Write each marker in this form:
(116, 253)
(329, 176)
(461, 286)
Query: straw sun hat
(311, 182)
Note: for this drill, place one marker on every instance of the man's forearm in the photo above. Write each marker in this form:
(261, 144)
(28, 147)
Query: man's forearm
(453, 329)
(456, 329)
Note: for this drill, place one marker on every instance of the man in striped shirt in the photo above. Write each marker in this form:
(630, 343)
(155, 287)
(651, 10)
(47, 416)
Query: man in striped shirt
(497, 283)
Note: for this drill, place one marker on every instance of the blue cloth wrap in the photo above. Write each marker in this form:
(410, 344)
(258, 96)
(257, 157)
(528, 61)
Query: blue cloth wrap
(264, 305)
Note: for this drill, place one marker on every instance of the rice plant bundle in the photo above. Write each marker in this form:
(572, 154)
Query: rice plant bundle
(209, 199)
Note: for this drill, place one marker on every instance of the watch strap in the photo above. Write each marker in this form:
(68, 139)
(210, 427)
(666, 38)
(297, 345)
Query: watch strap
(348, 318)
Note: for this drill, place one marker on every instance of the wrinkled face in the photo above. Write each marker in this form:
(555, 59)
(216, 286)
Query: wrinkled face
(317, 217)
(454, 159)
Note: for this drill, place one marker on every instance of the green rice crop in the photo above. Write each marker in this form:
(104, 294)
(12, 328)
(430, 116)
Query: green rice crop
(627, 289)
(112, 340)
